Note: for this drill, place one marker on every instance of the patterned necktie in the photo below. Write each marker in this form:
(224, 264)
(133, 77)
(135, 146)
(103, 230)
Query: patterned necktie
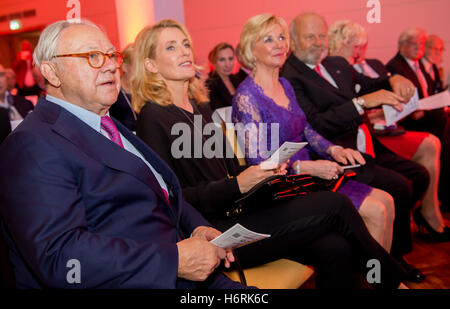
(421, 78)
(109, 127)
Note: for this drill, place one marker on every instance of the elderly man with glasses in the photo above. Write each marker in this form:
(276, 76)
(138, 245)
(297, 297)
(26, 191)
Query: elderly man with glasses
(84, 202)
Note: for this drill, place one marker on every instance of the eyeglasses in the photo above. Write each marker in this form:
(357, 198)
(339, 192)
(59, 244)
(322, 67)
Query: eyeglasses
(96, 59)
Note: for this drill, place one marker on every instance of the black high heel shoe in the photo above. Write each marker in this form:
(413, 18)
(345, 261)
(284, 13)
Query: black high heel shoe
(423, 224)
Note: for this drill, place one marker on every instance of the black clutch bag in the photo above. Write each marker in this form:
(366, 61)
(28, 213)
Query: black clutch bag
(279, 187)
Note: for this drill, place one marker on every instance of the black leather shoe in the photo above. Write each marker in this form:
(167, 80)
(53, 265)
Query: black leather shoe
(412, 273)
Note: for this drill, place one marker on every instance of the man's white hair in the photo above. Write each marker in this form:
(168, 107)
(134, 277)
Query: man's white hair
(410, 33)
(48, 40)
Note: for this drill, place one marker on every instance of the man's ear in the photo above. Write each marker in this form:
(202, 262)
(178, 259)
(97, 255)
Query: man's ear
(150, 65)
(50, 73)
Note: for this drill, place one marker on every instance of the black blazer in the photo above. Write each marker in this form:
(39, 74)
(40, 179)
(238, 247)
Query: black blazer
(330, 110)
(434, 121)
(219, 96)
(23, 106)
(5, 125)
(398, 65)
(122, 111)
(438, 85)
(378, 67)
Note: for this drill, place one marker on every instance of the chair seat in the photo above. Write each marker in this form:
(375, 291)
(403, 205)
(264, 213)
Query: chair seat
(279, 274)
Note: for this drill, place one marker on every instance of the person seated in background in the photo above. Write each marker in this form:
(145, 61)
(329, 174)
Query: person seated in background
(23, 66)
(18, 107)
(349, 40)
(325, 90)
(11, 81)
(411, 47)
(243, 71)
(79, 188)
(431, 60)
(264, 98)
(320, 229)
(222, 83)
(122, 109)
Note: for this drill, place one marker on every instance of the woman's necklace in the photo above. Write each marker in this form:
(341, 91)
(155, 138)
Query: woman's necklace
(195, 110)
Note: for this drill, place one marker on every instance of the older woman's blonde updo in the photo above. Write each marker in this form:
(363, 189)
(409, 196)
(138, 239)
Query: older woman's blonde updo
(148, 86)
(254, 29)
(345, 32)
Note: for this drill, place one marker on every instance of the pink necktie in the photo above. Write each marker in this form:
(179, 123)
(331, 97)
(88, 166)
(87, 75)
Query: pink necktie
(421, 78)
(108, 125)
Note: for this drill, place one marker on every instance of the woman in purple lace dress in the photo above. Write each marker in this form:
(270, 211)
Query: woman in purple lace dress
(266, 105)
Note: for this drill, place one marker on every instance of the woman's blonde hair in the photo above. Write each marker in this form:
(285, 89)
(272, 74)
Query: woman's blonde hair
(254, 29)
(345, 32)
(148, 86)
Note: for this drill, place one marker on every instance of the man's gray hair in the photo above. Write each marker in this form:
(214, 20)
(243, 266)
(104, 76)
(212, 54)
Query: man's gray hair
(48, 40)
(410, 33)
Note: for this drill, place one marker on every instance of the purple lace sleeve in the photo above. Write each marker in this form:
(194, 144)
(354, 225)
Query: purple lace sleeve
(317, 142)
(246, 118)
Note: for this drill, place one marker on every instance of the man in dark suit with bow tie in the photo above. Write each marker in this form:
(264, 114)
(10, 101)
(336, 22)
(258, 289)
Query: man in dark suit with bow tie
(325, 90)
(85, 203)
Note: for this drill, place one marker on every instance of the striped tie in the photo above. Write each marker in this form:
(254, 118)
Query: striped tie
(109, 127)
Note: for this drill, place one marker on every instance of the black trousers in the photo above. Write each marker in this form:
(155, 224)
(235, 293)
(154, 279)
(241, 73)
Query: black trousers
(322, 229)
(437, 122)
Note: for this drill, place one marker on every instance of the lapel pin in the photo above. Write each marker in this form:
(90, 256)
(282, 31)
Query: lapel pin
(338, 72)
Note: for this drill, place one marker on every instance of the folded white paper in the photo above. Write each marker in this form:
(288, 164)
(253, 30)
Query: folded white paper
(392, 115)
(435, 101)
(237, 236)
(285, 152)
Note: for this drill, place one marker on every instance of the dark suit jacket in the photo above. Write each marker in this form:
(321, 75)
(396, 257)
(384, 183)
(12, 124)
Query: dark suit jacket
(219, 96)
(438, 85)
(378, 67)
(398, 65)
(67, 192)
(330, 110)
(434, 121)
(122, 111)
(5, 125)
(23, 106)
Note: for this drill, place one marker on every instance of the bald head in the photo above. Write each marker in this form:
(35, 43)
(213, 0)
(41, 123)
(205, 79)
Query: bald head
(308, 32)
(434, 47)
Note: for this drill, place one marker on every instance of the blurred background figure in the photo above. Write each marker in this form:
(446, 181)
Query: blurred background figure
(11, 81)
(13, 109)
(243, 71)
(122, 110)
(23, 66)
(222, 83)
(411, 48)
(432, 59)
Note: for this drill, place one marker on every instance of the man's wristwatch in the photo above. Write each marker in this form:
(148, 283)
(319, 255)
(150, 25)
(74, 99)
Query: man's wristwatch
(360, 102)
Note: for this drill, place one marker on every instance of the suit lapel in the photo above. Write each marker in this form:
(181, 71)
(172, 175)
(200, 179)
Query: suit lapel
(304, 70)
(409, 73)
(96, 146)
(339, 79)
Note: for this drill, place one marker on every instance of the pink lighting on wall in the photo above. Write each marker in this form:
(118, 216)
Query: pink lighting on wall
(132, 16)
